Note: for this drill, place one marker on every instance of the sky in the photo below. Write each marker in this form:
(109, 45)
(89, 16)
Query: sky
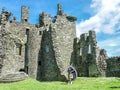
(103, 16)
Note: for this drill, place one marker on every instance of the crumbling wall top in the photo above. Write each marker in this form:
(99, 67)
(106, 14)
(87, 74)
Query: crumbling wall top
(59, 9)
(92, 33)
(44, 14)
(24, 14)
(84, 36)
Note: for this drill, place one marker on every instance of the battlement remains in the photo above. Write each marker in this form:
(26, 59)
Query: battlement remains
(24, 14)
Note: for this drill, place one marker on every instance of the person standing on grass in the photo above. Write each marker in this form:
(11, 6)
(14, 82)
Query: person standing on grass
(72, 74)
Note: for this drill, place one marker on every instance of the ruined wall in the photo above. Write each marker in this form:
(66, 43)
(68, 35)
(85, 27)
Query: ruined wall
(45, 50)
(2, 50)
(113, 67)
(24, 41)
(12, 46)
(43, 44)
(57, 45)
(11, 54)
(32, 41)
(63, 33)
(87, 55)
(33, 44)
(92, 45)
(101, 62)
(47, 67)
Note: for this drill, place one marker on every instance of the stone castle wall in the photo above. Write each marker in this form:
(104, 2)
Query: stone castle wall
(43, 50)
(57, 45)
(10, 49)
(63, 33)
(88, 56)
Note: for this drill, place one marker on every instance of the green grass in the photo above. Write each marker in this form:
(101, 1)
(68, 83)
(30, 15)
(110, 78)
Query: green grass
(79, 84)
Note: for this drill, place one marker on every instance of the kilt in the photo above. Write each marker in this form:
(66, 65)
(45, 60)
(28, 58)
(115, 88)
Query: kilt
(71, 75)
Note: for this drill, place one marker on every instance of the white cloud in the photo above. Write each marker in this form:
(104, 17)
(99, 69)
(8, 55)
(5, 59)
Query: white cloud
(111, 42)
(106, 18)
(116, 51)
(111, 45)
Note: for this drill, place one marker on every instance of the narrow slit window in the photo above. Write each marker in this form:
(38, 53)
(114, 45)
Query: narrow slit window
(39, 63)
(27, 31)
(40, 32)
(89, 49)
(47, 48)
(80, 51)
(18, 49)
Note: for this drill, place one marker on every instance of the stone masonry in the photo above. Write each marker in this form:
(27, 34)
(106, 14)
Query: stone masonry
(45, 50)
(88, 56)
(90, 60)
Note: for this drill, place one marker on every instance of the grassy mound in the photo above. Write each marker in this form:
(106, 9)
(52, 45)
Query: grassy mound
(79, 84)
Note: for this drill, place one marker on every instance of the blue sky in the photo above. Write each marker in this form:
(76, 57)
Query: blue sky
(103, 16)
(71, 7)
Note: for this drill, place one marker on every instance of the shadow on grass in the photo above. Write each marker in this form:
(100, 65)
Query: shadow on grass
(115, 87)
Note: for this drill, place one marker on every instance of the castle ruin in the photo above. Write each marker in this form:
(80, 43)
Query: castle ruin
(45, 50)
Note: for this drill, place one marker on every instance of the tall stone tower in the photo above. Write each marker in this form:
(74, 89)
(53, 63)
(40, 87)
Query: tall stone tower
(56, 45)
(63, 33)
(59, 9)
(25, 14)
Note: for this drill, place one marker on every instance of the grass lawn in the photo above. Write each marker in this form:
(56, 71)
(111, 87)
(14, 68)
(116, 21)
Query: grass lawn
(79, 84)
